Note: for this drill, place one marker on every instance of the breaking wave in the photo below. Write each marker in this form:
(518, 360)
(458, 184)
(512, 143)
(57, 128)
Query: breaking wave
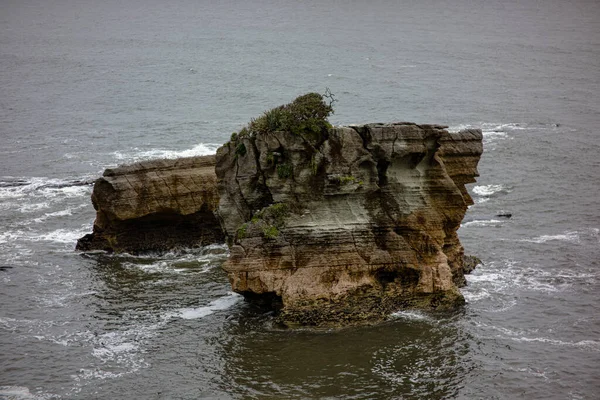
(17, 188)
(482, 223)
(222, 303)
(575, 237)
(489, 190)
(411, 316)
(135, 154)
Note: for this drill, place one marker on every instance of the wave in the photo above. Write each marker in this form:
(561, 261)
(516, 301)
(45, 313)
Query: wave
(489, 190)
(33, 207)
(482, 223)
(501, 280)
(16, 393)
(472, 296)
(55, 214)
(16, 188)
(194, 260)
(524, 336)
(222, 303)
(500, 127)
(483, 193)
(58, 235)
(173, 267)
(201, 149)
(584, 344)
(411, 316)
(572, 237)
(494, 132)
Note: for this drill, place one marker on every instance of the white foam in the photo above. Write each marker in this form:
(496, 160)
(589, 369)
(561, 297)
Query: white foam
(505, 279)
(170, 266)
(481, 223)
(67, 191)
(111, 350)
(485, 277)
(411, 315)
(62, 213)
(491, 135)
(152, 268)
(472, 296)
(60, 235)
(48, 188)
(98, 374)
(5, 237)
(490, 127)
(15, 393)
(492, 132)
(199, 260)
(488, 190)
(32, 207)
(201, 149)
(572, 237)
(222, 303)
(520, 336)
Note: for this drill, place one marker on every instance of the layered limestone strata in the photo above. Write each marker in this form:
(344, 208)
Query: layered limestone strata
(349, 226)
(155, 206)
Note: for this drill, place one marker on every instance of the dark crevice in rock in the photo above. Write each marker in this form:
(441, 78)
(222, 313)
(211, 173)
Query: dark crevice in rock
(382, 167)
(157, 232)
(268, 301)
(407, 278)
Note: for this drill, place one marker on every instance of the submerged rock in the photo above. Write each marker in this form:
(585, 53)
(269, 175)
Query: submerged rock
(350, 225)
(155, 206)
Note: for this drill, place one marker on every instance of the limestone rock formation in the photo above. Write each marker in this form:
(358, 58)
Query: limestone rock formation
(348, 226)
(155, 206)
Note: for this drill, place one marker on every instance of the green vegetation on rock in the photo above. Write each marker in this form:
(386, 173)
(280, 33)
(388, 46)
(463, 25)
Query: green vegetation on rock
(268, 220)
(306, 115)
(285, 171)
(345, 180)
(240, 150)
(270, 232)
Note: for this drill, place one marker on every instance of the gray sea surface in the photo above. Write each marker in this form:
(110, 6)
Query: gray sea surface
(86, 85)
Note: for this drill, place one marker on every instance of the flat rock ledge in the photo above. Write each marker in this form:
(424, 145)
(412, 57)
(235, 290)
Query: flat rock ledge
(348, 227)
(155, 205)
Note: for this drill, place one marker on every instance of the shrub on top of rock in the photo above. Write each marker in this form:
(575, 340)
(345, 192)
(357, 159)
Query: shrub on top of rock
(306, 115)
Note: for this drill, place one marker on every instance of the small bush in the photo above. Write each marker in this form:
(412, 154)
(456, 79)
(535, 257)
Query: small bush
(240, 150)
(270, 158)
(270, 232)
(306, 114)
(241, 232)
(284, 171)
(274, 214)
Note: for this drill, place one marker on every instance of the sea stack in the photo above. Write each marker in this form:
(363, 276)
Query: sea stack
(345, 225)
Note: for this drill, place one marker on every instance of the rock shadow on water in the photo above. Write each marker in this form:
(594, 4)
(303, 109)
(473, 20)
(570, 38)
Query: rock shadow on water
(414, 355)
(156, 281)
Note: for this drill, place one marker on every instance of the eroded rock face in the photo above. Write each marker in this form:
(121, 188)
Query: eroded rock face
(155, 206)
(350, 226)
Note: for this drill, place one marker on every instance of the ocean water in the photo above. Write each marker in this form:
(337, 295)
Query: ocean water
(86, 85)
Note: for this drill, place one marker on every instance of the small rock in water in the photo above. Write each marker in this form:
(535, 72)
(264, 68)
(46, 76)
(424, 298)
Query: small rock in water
(504, 214)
